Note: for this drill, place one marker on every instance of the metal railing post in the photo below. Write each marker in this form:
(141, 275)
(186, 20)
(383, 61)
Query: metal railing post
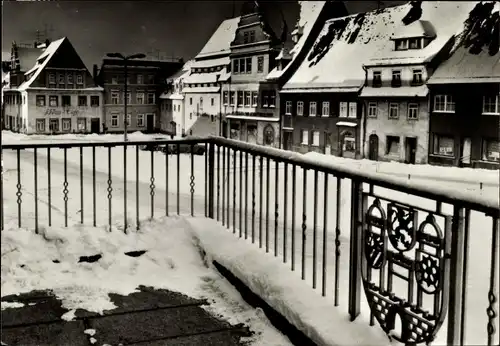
(355, 249)
(210, 178)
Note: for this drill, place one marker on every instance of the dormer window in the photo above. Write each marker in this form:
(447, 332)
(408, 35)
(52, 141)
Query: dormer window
(396, 78)
(377, 79)
(415, 43)
(401, 44)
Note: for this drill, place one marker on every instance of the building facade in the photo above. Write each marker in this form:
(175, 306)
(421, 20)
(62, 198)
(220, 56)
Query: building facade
(56, 95)
(465, 92)
(250, 102)
(395, 96)
(146, 80)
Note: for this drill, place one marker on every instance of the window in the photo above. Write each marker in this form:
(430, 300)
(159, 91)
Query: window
(79, 79)
(40, 125)
(140, 120)
(66, 124)
(129, 97)
(444, 103)
(260, 64)
(304, 137)
(245, 37)
(412, 111)
(70, 78)
(114, 79)
(401, 44)
(200, 104)
(417, 77)
(61, 79)
(353, 110)
(272, 98)
(372, 109)
(115, 98)
(315, 138)
(490, 105)
(140, 79)
(349, 142)
(300, 107)
(377, 79)
(236, 66)
(52, 80)
(255, 98)
(54, 125)
(325, 109)
(491, 150)
(312, 109)
(81, 124)
(139, 97)
(190, 101)
(94, 101)
(396, 78)
(415, 43)
(443, 145)
(265, 99)
(249, 65)
(343, 110)
(53, 101)
(151, 79)
(288, 107)
(251, 36)
(82, 101)
(240, 99)
(129, 119)
(393, 110)
(40, 100)
(248, 98)
(151, 98)
(392, 145)
(225, 97)
(232, 97)
(66, 100)
(268, 135)
(212, 101)
(114, 120)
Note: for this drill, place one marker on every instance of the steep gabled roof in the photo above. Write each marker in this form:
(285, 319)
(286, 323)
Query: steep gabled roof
(346, 44)
(27, 57)
(475, 58)
(221, 39)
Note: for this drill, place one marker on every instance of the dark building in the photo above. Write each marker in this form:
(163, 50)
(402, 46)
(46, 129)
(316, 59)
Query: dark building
(465, 89)
(146, 81)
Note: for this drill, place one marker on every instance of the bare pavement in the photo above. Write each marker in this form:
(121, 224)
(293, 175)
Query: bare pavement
(148, 317)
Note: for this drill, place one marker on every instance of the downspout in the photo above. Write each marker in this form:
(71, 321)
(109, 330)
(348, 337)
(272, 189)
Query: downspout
(363, 115)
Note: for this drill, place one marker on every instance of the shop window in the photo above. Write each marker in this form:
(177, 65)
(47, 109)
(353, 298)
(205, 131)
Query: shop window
(491, 150)
(315, 138)
(268, 135)
(392, 145)
(349, 142)
(443, 145)
(235, 131)
(304, 137)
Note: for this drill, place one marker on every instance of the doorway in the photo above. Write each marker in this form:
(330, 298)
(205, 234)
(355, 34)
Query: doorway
(95, 126)
(287, 140)
(150, 123)
(411, 150)
(373, 148)
(465, 151)
(224, 129)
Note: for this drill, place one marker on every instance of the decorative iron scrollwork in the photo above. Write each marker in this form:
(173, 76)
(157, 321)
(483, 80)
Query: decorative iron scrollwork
(396, 246)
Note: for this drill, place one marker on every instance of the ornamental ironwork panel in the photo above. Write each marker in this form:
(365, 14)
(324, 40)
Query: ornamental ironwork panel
(396, 245)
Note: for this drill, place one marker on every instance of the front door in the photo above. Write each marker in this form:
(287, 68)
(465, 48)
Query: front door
(373, 148)
(95, 126)
(411, 150)
(150, 123)
(224, 129)
(466, 150)
(287, 140)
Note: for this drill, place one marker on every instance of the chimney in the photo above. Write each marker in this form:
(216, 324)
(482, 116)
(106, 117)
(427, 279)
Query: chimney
(95, 71)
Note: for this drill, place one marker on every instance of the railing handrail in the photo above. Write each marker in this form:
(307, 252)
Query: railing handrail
(464, 199)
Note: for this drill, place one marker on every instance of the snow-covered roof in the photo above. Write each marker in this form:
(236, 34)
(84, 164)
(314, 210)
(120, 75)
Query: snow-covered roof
(440, 19)
(209, 77)
(41, 62)
(206, 63)
(309, 13)
(346, 44)
(471, 62)
(221, 39)
(404, 91)
(201, 90)
(171, 96)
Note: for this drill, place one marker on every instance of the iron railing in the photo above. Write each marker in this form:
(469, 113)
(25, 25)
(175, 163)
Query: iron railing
(332, 225)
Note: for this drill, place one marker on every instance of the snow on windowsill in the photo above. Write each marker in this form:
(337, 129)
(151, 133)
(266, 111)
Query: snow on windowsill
(267, 277)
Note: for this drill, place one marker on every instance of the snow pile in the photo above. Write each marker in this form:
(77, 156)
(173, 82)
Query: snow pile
(50, 260)
(267, 277)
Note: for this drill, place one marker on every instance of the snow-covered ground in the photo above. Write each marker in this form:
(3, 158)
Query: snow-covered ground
(459, 179)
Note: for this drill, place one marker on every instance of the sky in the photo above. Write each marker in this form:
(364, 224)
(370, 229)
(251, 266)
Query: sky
(174, 28)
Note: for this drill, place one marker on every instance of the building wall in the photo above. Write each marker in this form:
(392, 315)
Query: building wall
(383, 126)
(171, 110)
(201, 103)
(13, 110)
(244, 134)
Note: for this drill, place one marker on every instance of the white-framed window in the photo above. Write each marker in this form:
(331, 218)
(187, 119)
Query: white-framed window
(53, 101)
(491, 150)
(140, 79)
(260, 64)
(300, 107)
(288, 107)
(325, 109)
(139, 97)
(349, 142)
(312, 109)
(265, 99)
(79, 79)
(401, 44)
(315, 138)
(392, 145)
(52, 80)
(393, 110)
(70, 78)
(114, 120)
(343, 110)
(151, 98)
(61, 79)
(54, 125)
(255, 98)
(490, 104)
(443, 145)
(372, 109)
(444, 103)
(412, 111)
(40, 125)
(66, 124)
(140, 120)
(94, 101)
(353, 110)
(304, 137)
(115, 98)
(225, 97)
(248, 98)
(417, 77)
(40, 100)
(272, 98)
(114, 79)
(81, 124)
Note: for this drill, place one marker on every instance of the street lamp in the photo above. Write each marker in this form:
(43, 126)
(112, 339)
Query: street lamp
(125, 59)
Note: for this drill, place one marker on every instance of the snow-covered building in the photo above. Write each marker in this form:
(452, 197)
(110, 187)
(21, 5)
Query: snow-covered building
(172, 110)
(396, 100)
(51, 91)
(209, 70)
(465, 92)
